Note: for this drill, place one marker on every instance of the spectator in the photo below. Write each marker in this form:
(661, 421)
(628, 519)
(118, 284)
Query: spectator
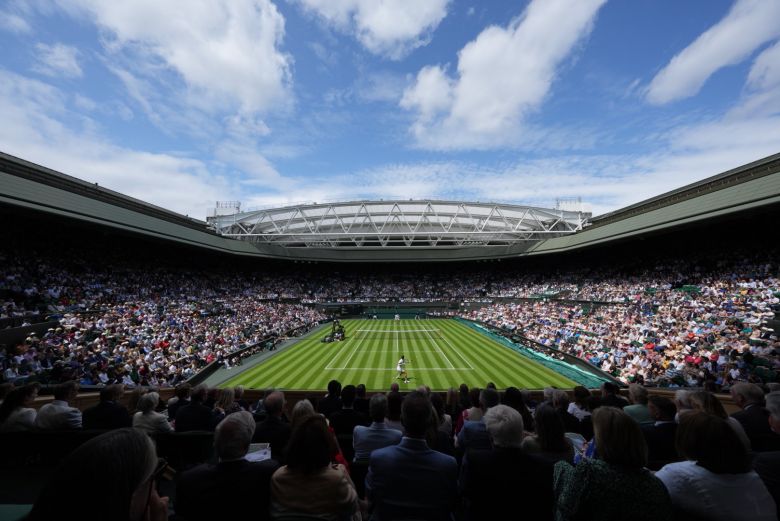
(147, 419)
(707, 402)
(195, 416)
(754, 417)
(767, 464)
(201, 492)
(474, 412)
(445, 420)
(59, 415)
(394, 403)
(550, 441)
(579, 407)
(514, 398)
(610, 396)
(474, 433)
(274, 430)
(181, 398)
(361, 402)
(16, 412)
(638, 409)
(409, 480)
(110, 477)
(716, 482)
(661, 434)
(560, 401)
(226, 402)
(615, 486)
(506, 479)
(5, 388)
(377, 435)
(109, 413)
(344, 420)
(309, 483)
(332, 401)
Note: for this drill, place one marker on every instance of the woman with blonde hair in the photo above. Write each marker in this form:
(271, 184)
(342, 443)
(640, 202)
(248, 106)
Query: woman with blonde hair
(615, 485)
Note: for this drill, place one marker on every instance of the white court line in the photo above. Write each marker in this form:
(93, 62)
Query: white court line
(341, 351)
(459, 354)
(354, 351)
(436, 345)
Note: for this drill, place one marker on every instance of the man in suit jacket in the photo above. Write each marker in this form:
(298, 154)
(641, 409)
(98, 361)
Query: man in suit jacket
(494, 482)
(59, 415)
(109, 413)
(660, 435)
(361, 402)
(195, 416)
(409, 480)
(767, 464)
(222, 491)
(273, 430)
(610, 396)
(183, 392)
(344, 420)
(365, 440)
(753, 417)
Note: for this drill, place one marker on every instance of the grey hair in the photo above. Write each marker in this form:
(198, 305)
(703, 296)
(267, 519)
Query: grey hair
(682, 399)
(560, 398)
(148, 402)
(638, 394)
(773, 404)
(751, 393)
(505, 426)
(233, 435)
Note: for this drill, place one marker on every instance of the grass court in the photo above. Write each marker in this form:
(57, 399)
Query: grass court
(440, 353)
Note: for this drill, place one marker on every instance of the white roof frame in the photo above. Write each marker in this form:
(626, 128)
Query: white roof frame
(398, 224)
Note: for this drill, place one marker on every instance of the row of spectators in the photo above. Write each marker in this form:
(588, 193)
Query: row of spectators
(691, 322)
(472, 454)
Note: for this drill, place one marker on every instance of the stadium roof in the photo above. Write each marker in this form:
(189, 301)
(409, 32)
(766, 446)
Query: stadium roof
(398, 224)
(752, 187)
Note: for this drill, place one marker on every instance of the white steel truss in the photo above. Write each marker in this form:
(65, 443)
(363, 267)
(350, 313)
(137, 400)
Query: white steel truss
(398, 224)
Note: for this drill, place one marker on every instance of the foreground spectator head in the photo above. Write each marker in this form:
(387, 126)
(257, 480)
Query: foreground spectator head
(712, 443)
(5, 388)
(108, 477)
(274, 404)
(394, 401)
(505, 426)
(608, 389)
(773, 406)
(183, 391)
(619, 439)
(416, 414)
(488, 398)
(549, 429)
(745, 394)
(661, 409)
(225, 399)
(394, 387)
(200, 393)
(334, 388)
(682, 400)
(66, 391)
(112, 393)
(233, 436)
(348, 393)
(23, 396)
(377, 408)
(300, 410)
(309, 449)
(637, 394)
(581, 395)
(707, 402)
(560, 399)
(360, 390)
(148, 402)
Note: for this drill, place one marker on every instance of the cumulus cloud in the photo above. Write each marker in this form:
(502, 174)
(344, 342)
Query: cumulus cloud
(748, 25)
(502, 75)
(226, 51)
(391, 28)
(58, 60)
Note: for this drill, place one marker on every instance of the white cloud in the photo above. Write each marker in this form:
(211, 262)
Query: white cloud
(391, 28)
(57, 60)
(502, 75)
(36, 127)
(748, 25)
(227, 52)
(14, 23)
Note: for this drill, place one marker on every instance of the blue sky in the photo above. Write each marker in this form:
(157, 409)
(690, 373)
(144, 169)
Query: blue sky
(269, 102)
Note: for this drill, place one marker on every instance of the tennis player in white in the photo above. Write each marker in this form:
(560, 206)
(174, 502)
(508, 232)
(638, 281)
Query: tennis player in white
(401, 368)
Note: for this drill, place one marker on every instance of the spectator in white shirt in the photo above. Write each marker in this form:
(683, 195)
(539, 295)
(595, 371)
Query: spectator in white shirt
(16, 412)
(59, 415)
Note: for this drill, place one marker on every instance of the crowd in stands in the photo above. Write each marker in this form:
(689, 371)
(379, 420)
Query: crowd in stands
(469, 454)
(693, 322)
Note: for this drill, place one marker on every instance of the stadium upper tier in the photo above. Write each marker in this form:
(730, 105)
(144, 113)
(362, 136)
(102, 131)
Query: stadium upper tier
(399, 224)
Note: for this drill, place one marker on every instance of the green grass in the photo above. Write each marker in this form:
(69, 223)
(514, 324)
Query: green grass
(441, 354)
